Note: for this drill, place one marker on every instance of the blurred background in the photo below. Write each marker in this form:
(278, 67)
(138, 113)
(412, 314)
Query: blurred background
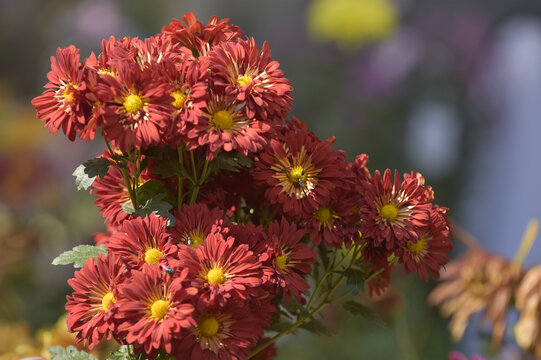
(448, 88)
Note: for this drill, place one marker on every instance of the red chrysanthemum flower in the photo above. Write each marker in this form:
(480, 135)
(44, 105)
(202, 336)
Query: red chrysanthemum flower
(93, 304)
(289, 259)
(358, 167)
(225, 125)
(154, 309)
(141, 241)
(111, 193)
(249, 75)
(188, 81)
(200, 38)
(393, 211)
(300, 173)
(222, 333)
(430, 250)
(222, 268)
(194, 223)
(136, 105)
(335, 222)
(63, 104)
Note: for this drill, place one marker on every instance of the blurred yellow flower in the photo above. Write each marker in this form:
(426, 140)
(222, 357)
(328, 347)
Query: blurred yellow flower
(351, 23)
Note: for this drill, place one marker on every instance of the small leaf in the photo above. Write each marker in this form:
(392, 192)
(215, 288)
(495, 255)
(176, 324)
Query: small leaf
(79, 255)
(69, 353)
(86, 173)
(122, 353)
(355, 280)
(316, 327)
(171, 167)
(359, 309)
(159, 207)
(150, 189)
(231, 161)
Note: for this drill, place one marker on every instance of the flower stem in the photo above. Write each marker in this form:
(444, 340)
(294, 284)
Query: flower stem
(526, 244)
(180, 151)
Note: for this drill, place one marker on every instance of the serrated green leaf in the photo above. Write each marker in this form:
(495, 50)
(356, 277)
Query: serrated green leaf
(159, 207)
(79, 255)
(316, 327)
(357, 308)
(86, 173)
(355, 280)
(69, 353)
(171, 167)
(230, 161)
(150, 189)
(122, 353)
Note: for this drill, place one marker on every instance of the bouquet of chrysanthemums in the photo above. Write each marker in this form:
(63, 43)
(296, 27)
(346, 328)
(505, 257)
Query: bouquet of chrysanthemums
(228, 226)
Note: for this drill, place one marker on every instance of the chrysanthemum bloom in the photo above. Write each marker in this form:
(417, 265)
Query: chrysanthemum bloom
(188, 81)
(358, 167)
(249, 75)
(222, 333)
(111, 193)
(141, 241)
(477, 282)
(393, 211)
(194, 223)
(63, 104)
(528, 302)
(154, 309)
(335, 222)
(225, 125)
(379, 282)
(200, 38)
(300, 173)
(137, 104)
(290, 259)
(221, 268)
(94, 301)
(430, 250)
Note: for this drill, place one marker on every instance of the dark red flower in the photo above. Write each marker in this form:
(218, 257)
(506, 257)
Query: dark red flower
(221, 268)
(200, 38)
(154, 309)
(141, 241)
(289, 259)
(393, 211)
(300, 173)
(248, 75)
(430, 250)
(226, 332)
(93, 304)
(194, 223)
(63, 104)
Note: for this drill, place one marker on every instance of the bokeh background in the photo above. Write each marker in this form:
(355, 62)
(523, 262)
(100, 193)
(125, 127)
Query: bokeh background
(450, 88)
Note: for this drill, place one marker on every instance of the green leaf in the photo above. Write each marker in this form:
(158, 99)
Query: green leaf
(316, 327)
(122, 353)
(86, 173)
(171, 167)
(79, 255)
(230, 161)
(357, 308)
(150, 189)
(69, 353)
(355, 280)
(159, 206)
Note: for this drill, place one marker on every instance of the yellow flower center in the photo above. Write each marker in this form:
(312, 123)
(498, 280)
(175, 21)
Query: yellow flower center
(222, 120)
(417, 247)
(244, 80)
(68, 93)
(297, 174)
(208, 326)
(389, 212)
(158, 309)
(179, 97)
(153, 256)
(106, 300)
(133, 103)
(106, 72)
(323, 214)
(215, 276)
(195, 239)
(281, 262)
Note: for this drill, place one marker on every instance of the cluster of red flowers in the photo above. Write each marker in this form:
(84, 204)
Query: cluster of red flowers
(244, 238)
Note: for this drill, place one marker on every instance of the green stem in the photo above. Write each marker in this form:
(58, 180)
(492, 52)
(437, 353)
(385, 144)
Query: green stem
(180, 151)
(193, 166)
